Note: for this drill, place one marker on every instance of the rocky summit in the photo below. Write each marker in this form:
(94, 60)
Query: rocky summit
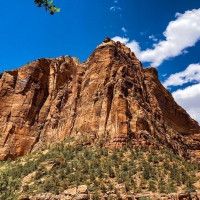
(109, 98)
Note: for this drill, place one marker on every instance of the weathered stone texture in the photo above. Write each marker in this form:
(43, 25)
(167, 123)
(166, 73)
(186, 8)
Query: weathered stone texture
(109, 97)
(72, 194)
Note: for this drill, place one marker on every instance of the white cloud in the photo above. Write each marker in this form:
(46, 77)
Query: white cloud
(124, 30)
(115, 8)
(189, 98)
(120, 39)
(153, 38)
(181, 33)
(189, 75)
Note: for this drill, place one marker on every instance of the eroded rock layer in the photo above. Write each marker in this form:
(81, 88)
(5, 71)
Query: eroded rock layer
(109, 97)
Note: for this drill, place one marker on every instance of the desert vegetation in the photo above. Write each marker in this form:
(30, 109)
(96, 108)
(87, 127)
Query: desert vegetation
(123, 170)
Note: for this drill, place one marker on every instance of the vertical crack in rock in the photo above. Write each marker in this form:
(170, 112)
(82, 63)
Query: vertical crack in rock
(109, 103)
(75, 106)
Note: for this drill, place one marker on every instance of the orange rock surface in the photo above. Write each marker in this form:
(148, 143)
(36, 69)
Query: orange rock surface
(109, 97)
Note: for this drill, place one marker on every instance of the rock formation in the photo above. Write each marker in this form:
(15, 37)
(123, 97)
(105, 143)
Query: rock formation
(110, 98)
(76, 193)
(81, 193)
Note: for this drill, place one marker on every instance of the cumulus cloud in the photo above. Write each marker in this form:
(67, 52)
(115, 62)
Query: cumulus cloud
(115, 8)
(189, 75)
(188, 98)
(181, 33)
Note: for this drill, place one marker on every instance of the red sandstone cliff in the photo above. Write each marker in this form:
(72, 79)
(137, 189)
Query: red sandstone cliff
(109, 97)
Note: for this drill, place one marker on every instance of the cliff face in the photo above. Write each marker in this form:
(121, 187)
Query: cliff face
(109, 97)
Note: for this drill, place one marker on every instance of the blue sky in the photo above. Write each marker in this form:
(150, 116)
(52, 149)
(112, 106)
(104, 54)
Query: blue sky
(162, 33)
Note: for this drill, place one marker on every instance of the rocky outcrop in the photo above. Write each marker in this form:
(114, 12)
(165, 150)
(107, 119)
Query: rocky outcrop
(73, 194)
(110, 98)
(172, 196)
(76, 193)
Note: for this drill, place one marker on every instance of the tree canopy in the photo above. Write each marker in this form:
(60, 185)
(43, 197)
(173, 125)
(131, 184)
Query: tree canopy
(48, 5)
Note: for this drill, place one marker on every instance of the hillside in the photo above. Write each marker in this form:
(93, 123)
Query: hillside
(59, 172)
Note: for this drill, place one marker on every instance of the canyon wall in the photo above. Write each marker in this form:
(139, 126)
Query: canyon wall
(110, 98)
